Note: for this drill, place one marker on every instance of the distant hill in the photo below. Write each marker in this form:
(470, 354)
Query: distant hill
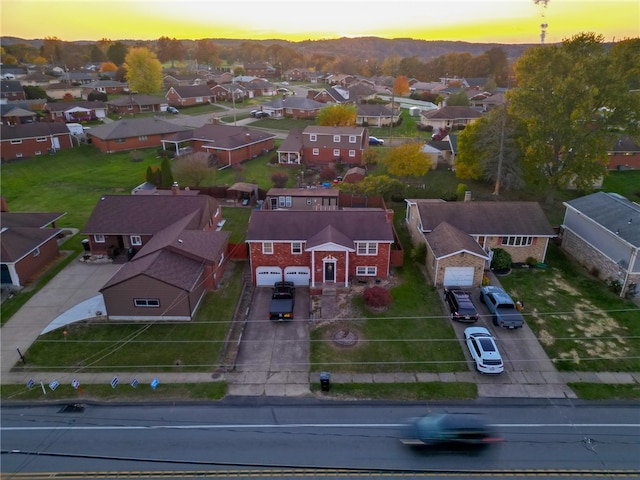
(371, 46)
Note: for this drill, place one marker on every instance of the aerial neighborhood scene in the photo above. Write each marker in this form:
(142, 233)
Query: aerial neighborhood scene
(413, 230)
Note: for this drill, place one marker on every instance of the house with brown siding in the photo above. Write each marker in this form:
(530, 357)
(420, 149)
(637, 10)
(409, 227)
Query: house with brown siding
(33, 139)
(460, 236)
(172, 248)
(320, 248)
(227, 144)
(302, 199)
(132, 134)
(28, 244)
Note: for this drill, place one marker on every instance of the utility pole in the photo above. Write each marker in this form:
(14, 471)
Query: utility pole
(503, 126)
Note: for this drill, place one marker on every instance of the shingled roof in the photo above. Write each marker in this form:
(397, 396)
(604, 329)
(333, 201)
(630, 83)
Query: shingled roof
(135, 127)
(357, 225)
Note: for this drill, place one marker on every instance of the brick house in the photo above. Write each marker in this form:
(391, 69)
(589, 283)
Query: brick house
(293, 107)
(229, 92)
(624, 155)
(602, 232)
(75, 112)
(108, 87)
(460, 236)
(33, 139)
(132, 134)
(172, 249)
(260, 69)
(319, 248)
(320, 145)
(133, 104)
(29, 245)
(228, 144)
(11, 91)
(188, 95)
(449, 117)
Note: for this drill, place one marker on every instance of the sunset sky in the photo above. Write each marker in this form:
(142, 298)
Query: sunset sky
(505, 21)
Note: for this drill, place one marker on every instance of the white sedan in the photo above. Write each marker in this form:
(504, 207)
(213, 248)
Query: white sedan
(484, 350)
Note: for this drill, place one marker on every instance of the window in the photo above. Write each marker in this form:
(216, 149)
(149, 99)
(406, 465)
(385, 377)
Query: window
(517, 241)
(336, 152)
(284, 201)
(41, 139)
(352, 153)
(267, 248)
(366, 271)
(221, 259)
(136, 240)
(143, 138)
(15, 142)
(98, 238)
(352, 139)
(316, 152)
(308, 201)
(336, 139)
(36, 252)
(38, 152)
(296, 248)
(146, 302)
(313, 137)
(120, 140)
(367, 248)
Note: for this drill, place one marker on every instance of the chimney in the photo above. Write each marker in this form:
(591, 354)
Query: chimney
(175, 189)
(467, 196)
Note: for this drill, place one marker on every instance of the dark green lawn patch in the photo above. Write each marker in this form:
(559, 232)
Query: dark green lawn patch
(399, 391)
(603, 391)
(581, 324)
(131, 347)
(122, 393)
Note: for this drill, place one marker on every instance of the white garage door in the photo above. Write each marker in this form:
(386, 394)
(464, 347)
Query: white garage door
(267, 276)
(298, 275)
(458, 276)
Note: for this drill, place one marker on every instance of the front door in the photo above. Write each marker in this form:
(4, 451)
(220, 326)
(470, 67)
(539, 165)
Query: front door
(329, 272)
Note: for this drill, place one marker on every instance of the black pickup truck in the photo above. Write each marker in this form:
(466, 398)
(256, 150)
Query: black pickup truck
(282, 301)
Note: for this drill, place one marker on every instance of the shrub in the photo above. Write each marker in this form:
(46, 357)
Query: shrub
(279, 179)
(501, 259)
(377, 297)
(328, 173)
(419, 253)
(461, 190)
(531, 261)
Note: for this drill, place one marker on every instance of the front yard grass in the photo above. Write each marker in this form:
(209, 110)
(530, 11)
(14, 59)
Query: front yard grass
(150, 347)
(581, 324)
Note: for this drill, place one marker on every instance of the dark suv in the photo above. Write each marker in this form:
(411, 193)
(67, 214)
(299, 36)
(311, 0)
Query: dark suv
(460, 305)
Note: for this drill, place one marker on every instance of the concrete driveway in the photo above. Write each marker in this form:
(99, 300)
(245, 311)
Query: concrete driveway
(274, 356)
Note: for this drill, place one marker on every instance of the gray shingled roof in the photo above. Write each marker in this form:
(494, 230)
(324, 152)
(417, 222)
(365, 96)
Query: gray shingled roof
(135, 127)
(447, 240)
(452, 113)
(33, 130)
(487, 218)
(147, 214)
(613, 212)
(302, 225)
(226, 137)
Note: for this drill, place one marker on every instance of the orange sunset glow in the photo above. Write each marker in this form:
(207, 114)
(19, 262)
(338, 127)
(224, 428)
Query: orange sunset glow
(506, 21)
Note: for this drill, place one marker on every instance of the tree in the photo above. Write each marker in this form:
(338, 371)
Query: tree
(117, 52)
(170, 49)
(108, 67)
(207, 52)
(570, 97)
(144, 71)
(166, 177)
(32, 92)
(192, 169)
(401, 86)
(490, 149)
(338, 115)
(408, 160)
(458, 98)
(374, 185)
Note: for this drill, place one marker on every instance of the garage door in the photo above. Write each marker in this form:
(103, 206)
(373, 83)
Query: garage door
(298, 275)
(462, 276)
(267, 276)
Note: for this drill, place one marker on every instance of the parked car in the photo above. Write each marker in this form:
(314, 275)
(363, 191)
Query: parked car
(262, 115)
(484, 350)
(376, 141)
(253, 113)
(449, 428)
(504, 310)
(173, 110)
(460, 304)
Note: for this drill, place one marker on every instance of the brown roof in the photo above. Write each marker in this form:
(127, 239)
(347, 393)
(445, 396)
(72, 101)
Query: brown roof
(29, 219)
(446, 240)
(16, 242)
(487, 218)
(147, 214)
(64, 106)
(226, 137)
(300, 225)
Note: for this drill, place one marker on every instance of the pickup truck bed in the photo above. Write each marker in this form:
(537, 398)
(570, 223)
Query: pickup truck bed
(502, 307)
(282, 301)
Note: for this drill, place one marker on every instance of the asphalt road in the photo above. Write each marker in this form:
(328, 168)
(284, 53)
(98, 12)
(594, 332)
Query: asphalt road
(539, 439)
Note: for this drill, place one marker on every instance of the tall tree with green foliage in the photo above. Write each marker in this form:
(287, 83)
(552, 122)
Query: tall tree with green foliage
(338, 115)
(165, 172)
(408, 160)
(170, 50)
(573, 97)
(374, 185)
(144, 71)
(117, 52)
(490, 149)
